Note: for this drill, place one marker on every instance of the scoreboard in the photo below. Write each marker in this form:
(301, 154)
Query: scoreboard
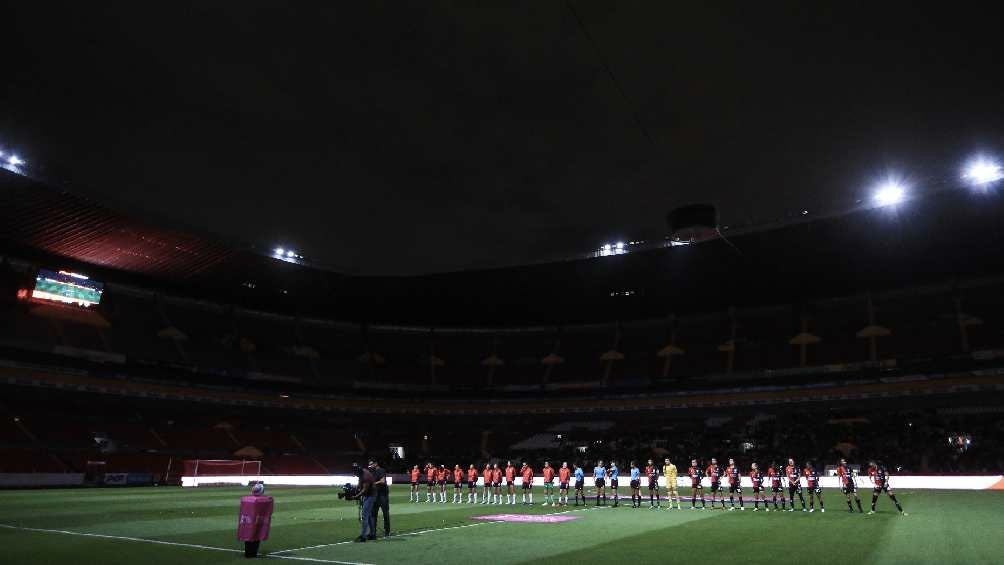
(67, 288)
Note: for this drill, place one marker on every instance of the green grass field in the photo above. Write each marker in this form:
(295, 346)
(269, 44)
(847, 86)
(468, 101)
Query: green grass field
(46, 527)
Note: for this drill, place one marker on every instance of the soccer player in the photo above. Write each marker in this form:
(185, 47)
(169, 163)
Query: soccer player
(635, 486)
(527, 472)
(564, 473)
(697, 489)
(599, 479)
(415, 473)
(441, 475)
(486, 491)
(548, 484)
(430, 481)
(794, 485)
(848, 485)
(775, 486)
(472, 484)
(715, 474)
(812, 485)
(580, 479)
(652, 472)
(669, 471)
(510, 482)
(735, 485)
(879, 476)
(615, 474)
(756, 477)
(497, 483)
(458, 484)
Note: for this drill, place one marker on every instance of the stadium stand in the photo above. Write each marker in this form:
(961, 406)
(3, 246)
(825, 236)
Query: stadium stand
(184, 359)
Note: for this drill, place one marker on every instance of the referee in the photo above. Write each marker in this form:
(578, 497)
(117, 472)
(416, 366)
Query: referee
(382, 501)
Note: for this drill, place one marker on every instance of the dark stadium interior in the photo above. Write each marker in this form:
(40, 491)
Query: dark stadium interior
(871, 319)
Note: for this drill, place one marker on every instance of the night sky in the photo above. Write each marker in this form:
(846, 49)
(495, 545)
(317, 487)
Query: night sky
(399, 138)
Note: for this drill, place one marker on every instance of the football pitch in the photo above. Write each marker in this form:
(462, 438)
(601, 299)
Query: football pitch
(145, 526)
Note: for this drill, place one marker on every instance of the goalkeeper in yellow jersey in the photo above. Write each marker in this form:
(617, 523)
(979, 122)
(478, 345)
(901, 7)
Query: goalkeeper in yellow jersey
(669, 471)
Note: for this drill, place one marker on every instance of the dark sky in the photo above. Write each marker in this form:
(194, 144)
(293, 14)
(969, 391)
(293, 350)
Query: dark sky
(394, 137)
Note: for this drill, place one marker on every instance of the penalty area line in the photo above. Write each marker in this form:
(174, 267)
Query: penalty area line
(171, 543)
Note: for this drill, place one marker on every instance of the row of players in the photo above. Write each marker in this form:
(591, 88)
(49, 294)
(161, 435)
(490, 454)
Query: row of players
(791, 474)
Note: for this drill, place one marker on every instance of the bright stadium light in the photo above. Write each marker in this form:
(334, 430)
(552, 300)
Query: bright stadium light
(14, 160)
(982, 170)
(290, 253)
(889, 192)
(607, 247)
(280, 251)
(620, 245)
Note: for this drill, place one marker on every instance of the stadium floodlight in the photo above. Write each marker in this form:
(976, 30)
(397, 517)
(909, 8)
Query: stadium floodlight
(620, 246)
(606, 247)
(982, 170)
(280, 251)
(14, 160)
(290, 253)
(889, 192)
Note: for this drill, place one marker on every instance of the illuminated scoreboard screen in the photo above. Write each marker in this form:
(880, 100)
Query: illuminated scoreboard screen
(67, 288)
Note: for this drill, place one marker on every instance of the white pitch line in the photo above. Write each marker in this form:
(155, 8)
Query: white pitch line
(176, 544)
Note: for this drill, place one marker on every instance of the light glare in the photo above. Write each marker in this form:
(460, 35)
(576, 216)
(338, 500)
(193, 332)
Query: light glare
(280, 251)
(982, 171)
(890, 192)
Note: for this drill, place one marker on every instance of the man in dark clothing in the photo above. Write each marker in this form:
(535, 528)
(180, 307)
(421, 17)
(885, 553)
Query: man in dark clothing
(366, 493)
(382, 495)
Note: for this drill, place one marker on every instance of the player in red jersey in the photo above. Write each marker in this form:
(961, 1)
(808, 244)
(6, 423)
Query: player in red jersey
(848, 485)
(652, 473)
(756, 477)
(794, 485)
(497, 483)
(510, 481)
(415, 474)
(486, 491)
(458, 484)
(879, 476)
(441, 476)
(526, 473)
(696, 488)
(775, 486)
(735, 485)
(548, 484)
(715, 475)
(813, 486)
(430, 481)
(472, 484)
(564, 476)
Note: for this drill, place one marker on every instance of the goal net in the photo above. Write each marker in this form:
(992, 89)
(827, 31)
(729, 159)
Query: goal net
(221, 467)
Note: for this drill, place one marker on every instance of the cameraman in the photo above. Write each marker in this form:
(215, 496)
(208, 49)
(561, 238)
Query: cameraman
(382, 495)
(365, 493)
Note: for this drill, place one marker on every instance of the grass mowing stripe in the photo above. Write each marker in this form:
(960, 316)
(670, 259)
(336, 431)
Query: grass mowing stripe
(171, 543)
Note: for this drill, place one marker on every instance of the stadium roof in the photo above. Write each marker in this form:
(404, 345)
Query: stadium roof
(943, 237)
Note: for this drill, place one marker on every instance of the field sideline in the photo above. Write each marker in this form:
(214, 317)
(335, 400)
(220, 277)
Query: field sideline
(146, 526)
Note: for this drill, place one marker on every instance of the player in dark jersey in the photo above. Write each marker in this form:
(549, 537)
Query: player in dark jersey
(813, 486)
(715, 475)
(652, 473)
(775, 485)
(879, 476)
(696, 488)
(848, 485)
(735, 485)
(756, 477)
(794, 485)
